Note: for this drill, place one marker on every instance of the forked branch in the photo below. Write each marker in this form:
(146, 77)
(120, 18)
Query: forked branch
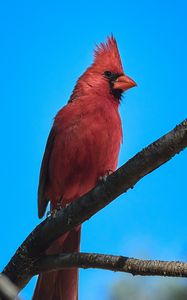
(22, 264)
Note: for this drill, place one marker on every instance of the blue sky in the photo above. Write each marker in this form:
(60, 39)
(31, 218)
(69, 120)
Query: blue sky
(45, 46)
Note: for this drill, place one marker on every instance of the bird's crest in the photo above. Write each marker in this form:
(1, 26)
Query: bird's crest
(106, 58)
(106, 55)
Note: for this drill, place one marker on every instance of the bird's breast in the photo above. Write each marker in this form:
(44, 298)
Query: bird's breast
(85, 148)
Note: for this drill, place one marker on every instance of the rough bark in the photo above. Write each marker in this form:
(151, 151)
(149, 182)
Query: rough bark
(112, 263)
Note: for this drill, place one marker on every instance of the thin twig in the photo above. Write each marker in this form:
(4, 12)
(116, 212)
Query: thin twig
(112, 263)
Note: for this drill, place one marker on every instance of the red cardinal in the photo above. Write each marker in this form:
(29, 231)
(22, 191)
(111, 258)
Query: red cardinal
(83, 145)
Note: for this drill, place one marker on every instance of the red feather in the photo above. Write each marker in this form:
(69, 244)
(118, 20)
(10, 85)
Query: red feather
(83, 145)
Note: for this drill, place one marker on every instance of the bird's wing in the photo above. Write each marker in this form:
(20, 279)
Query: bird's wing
(44, 174)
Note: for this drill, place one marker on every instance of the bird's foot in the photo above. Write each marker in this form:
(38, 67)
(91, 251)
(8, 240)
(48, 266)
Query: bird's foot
(104, 177)
(55, 211)
(48, 214)
(58, 207)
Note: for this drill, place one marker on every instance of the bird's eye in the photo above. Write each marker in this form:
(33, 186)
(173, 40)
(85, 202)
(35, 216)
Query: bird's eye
(108, 74)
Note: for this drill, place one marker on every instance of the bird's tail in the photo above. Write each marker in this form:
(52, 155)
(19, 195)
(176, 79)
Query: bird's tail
(63, 284)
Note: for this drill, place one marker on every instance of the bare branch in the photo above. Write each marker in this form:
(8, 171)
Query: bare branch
(21, 265)
(112, 263)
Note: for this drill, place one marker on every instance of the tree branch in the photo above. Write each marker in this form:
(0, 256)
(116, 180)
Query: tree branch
(112, 263)
(20, 266)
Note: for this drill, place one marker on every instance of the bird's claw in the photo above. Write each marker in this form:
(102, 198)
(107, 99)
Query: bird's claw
(104, 177)
(48, 214)
(55, 210)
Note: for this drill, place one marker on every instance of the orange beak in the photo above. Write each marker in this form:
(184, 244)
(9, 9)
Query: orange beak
(124, 83)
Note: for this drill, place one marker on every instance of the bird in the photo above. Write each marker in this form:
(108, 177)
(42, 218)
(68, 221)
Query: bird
(82, 147)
